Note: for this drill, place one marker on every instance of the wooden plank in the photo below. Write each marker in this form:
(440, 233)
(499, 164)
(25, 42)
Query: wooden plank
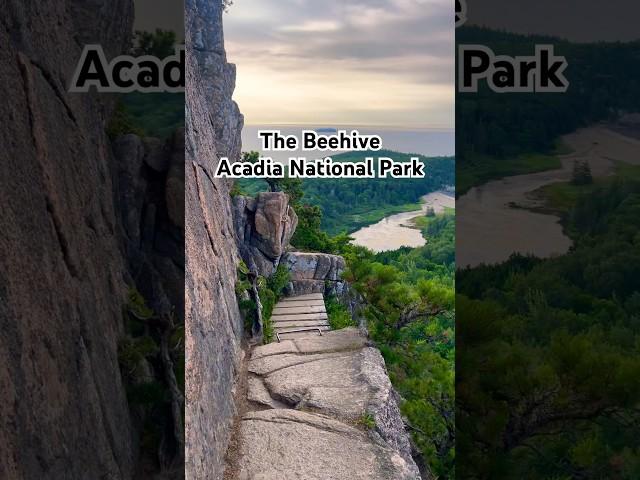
(301, 323)
(293, 310)
(305, 329)
(308, 296)
(300, 303)
(294, 336)
(300, 316)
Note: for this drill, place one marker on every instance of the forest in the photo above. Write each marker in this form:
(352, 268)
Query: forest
(496, 133)
(548, 350)
(349, 204)
(411, 316)
(149, 114)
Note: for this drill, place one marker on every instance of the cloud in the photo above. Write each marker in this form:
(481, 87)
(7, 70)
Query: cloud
(385, 62)
(312, 27)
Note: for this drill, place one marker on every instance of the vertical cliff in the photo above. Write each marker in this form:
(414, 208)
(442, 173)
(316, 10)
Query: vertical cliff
(63, 409)
(214, 326)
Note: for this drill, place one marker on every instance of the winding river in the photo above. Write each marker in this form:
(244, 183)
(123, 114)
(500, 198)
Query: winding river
(493, 220)
(397, 230)
(497, 219)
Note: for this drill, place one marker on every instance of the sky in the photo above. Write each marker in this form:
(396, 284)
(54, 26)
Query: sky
(343, 62)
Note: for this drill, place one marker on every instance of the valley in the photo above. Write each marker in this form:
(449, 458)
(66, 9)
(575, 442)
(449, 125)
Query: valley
(517, 204)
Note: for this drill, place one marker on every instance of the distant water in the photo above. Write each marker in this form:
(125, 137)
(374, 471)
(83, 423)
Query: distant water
(398, 230)
(430, 143)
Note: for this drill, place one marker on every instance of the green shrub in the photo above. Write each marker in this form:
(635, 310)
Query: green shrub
(279, 280)
(339, 316)
(131, 351)
(122, 123)
(268, 332)
(367, 421)
(137, 306)
(268, 300)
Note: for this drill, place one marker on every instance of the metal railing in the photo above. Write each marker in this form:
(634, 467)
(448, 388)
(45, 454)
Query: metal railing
(298, 331)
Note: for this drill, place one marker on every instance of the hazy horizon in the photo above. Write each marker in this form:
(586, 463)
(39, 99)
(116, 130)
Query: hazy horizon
(426, 142)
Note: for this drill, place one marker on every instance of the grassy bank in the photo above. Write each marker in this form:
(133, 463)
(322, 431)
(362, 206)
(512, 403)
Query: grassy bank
(483, 168)
(560, 198)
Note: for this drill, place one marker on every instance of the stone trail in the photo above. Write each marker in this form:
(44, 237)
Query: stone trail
(320, 407)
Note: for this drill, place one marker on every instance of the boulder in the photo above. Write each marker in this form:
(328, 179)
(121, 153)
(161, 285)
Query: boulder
(156, 155)
(274, 223)
(263, 227)
(243, 213)
(315, 273)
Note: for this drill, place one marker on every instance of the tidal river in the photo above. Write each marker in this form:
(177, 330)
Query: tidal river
(493, 220)
(397, 230)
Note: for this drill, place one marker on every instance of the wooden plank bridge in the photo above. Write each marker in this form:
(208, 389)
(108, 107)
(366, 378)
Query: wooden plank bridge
(300, 316)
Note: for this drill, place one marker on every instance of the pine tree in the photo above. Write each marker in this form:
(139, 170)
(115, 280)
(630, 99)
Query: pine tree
(581, 173)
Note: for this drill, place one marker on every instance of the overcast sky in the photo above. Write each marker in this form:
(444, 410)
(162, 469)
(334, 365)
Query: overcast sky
(343, 62)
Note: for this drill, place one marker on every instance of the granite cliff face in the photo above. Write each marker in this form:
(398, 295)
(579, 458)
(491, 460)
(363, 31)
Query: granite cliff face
(214, 327)
(62, 271)
(150, 206)
(86, 221)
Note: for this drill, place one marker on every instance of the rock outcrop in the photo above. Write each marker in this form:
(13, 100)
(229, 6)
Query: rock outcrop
(318, 389)
(150, 203)
(294, 445)
(63, 408)
(314, 273)
(264, 226)
(214, 327)
(205, 44)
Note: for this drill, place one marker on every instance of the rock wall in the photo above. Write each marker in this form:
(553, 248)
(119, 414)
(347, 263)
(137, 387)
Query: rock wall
(63, 410)
(315, 273)
(150, 205)
(214, 327)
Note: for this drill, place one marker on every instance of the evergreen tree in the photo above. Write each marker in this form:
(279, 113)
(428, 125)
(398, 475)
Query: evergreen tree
(581, 174)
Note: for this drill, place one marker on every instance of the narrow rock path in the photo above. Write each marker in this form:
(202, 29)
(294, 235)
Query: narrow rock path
(320, 405)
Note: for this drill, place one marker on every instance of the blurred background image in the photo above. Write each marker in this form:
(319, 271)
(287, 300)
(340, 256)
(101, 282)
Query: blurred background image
(92, 249)
(547, 250)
